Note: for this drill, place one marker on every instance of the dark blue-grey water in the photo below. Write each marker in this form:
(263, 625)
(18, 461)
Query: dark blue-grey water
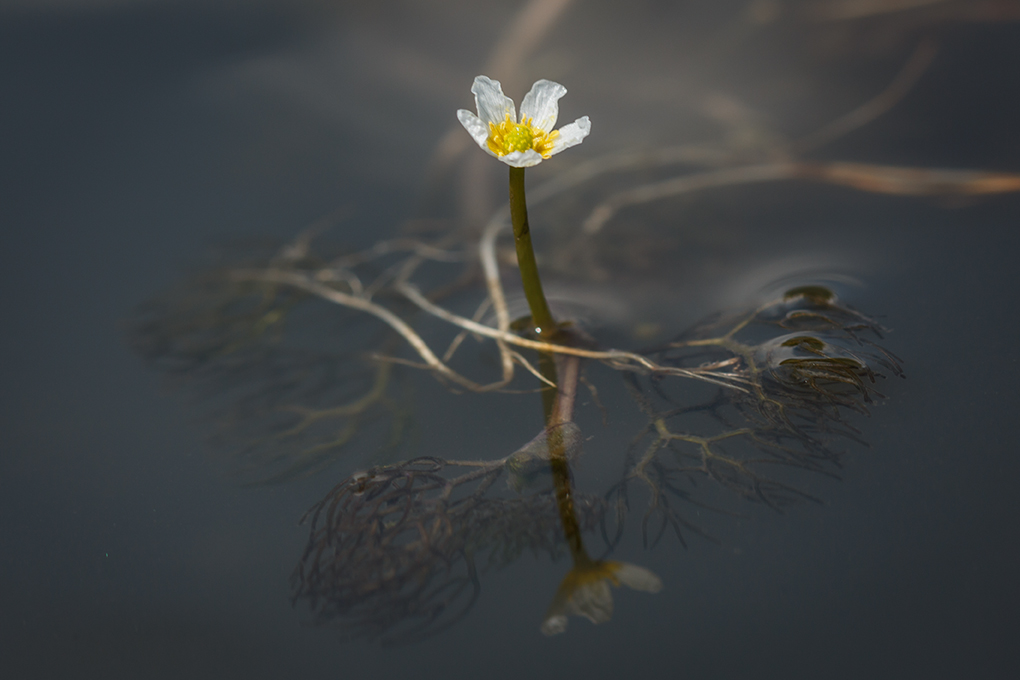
(138, 136)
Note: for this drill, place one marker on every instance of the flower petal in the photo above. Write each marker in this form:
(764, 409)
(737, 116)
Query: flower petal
(571, 135)
(592, 601)
(478, 130)
(541, 104)
(493, 106)
(638, 578)
(521, 159)
(554, 624)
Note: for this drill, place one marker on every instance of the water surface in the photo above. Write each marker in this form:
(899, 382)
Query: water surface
(141, 135)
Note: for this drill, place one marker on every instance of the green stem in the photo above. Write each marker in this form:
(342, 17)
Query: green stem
(540, 314)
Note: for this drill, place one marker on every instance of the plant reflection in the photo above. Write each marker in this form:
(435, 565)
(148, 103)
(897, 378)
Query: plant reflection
(585, 589)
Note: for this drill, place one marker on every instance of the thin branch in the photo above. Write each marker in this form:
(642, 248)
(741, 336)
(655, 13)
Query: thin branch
(618, 358)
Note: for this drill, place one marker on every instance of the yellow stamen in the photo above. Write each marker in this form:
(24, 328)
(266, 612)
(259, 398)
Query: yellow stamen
(508, 136)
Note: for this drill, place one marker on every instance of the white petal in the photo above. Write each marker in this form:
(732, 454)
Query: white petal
(593, 601)
(478, 130)
(521, 159)
(571, 135)
(638, 578)
(554, 624)
(541, 104)
(493, 106)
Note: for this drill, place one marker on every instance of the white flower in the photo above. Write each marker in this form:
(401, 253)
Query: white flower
(530, 141)
(585, 591)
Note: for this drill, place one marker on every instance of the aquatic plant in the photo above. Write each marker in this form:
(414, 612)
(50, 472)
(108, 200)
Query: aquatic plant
(395, 552)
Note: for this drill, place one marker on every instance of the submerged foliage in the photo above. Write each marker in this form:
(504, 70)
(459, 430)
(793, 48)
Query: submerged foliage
(395, 551)
(791, 413)
(283, 376)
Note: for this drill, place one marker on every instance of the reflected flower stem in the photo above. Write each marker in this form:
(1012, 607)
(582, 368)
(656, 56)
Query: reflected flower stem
(558, 413)
(541, 317)
(584, 591)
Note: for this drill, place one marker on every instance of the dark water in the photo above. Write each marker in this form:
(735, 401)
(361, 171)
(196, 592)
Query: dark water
(140, 134)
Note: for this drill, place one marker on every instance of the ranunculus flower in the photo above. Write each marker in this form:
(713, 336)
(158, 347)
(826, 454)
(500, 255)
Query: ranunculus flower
(521, 144)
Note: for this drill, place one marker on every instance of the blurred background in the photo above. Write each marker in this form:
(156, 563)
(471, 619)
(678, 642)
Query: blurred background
(139, 134)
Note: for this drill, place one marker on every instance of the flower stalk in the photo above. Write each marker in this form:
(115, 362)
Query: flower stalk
(542, 319)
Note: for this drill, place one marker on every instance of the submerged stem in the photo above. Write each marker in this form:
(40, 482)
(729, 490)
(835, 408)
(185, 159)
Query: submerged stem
(584, 590)
(565, 372)
(540, 315)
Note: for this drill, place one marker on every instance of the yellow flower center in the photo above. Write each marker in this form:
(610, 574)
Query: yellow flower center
(508, 136)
